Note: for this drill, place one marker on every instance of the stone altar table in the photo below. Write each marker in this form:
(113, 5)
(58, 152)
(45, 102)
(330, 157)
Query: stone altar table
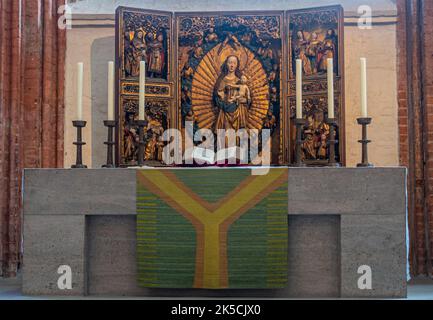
(339, 220)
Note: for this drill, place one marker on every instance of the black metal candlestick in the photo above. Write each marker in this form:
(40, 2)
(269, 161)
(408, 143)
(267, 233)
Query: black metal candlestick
(110, 124)
(141, 124)
(79, 143)
(364, 122)
(332, 122)
(300, 124)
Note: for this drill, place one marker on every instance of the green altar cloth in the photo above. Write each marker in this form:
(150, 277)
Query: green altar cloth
(212, 228)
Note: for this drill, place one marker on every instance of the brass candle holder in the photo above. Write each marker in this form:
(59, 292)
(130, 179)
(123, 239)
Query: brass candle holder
(364, 122)
(110, 124)
(79, 124)
(300, 125)
(141, 143)
(332, 162)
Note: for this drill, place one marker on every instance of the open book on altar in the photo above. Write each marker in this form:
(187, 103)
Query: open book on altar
(231, 155)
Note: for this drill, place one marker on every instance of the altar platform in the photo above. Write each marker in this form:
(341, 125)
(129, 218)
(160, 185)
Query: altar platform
(339, 220)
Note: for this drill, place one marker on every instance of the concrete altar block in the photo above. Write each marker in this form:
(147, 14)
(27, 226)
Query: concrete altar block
(378, 244)
(49, 243)
(339, 220)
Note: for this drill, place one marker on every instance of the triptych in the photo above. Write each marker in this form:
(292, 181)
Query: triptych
(229, 70)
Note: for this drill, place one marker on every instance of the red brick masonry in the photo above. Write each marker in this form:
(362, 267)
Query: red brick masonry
(32, 55)
(415, 119)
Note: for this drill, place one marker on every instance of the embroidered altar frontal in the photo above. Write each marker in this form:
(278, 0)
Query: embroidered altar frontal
(212, 228)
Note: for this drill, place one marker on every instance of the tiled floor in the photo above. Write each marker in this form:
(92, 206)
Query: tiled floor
(10, 289)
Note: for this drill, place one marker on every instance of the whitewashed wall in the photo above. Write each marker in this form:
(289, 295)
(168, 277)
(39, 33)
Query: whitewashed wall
(91, 40)
(109, 6)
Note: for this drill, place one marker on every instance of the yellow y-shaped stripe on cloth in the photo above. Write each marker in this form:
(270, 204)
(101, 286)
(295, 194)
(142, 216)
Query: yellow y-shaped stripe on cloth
(250, 195)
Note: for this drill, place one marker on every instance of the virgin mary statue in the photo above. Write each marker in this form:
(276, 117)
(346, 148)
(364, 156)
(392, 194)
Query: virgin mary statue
(231, 96)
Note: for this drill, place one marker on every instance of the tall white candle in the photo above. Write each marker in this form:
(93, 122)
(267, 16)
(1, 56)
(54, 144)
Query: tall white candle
(80, 71)
(331, 114)
(364, 113)
(299, 89)
(110, 91)
(142, 99)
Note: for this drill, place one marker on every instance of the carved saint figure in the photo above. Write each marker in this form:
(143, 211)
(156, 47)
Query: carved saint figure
(187, 71)
(274, 74)
(328, 50)
(300, 48)
(150, 151)
(211, 36)
(316, 135)
(309, 145)
(313, 51)
(322, 131)
(130, 139)
(155, 130)
(129, 61)
(156, 57)
(270, 121)
(135, 52)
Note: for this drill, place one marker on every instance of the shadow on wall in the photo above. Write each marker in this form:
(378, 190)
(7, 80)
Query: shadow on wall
(103, 51)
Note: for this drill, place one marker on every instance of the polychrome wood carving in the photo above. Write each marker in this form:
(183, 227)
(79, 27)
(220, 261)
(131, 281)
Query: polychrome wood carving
(143, 35)
(232, 70)
(314, 36)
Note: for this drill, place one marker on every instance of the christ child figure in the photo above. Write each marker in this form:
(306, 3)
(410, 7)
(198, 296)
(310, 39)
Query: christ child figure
(243, 97)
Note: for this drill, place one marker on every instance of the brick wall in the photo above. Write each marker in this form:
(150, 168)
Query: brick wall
(32, 50)
(415, 120)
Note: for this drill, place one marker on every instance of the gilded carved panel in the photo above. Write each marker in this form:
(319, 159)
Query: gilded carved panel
(143, 35)
(314, 36)
(157, 111)
(230, 72)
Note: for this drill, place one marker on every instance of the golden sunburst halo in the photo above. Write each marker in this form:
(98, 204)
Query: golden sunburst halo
(206, 77)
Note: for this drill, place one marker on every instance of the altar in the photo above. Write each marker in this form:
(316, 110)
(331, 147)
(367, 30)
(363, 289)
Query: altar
(339, 234)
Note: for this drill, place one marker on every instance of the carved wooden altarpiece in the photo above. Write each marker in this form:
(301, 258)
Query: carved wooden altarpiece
(228, 70)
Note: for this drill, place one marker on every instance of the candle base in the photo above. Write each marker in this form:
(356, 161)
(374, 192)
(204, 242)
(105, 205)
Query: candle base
(110, 124)
(367, 165)
(332, 162)
(79, 166)
(364, 122)
(300, 124)
(79, 143)
(141, 143)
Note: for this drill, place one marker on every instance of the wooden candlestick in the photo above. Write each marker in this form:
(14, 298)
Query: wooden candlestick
(141, 124)
(364, 122)
(79, 143)
(332, 122)
(110, 124)
(300, 124)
